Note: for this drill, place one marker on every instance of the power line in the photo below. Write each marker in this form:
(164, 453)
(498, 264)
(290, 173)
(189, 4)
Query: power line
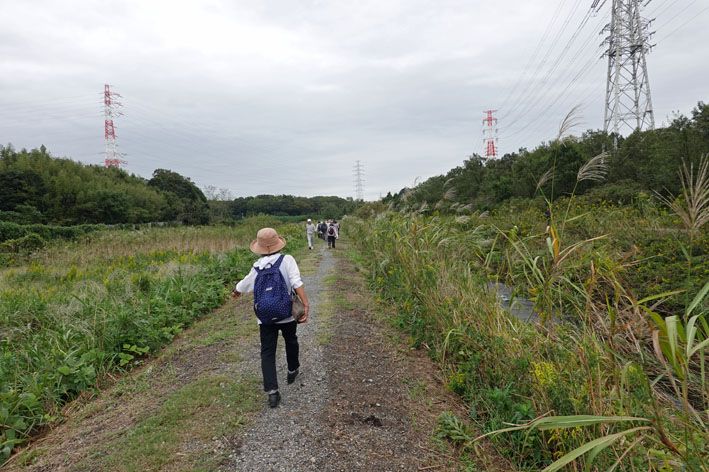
(686, 7)
(662, 8)
(583, 71)
(541, 94)
(683, 24)
(541, 65)
(533, 57)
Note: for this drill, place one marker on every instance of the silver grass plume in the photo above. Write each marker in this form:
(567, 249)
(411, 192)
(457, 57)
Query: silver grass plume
(544, 178)
(570, 121)
(594, 169)
(693, 207)
(450, 194)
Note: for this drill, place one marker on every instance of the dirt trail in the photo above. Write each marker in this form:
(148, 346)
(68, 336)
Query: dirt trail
(280, 439)
(364, 401)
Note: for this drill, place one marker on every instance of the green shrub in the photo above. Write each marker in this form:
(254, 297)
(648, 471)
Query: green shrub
(24, 245)
(10, 230)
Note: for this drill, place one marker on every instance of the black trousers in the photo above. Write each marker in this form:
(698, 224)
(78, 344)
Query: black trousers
(269, 342)
(331, 241)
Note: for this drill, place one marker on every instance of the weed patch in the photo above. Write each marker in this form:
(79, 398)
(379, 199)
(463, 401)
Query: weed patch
(103, 304)
(594, 351)
(208, 407)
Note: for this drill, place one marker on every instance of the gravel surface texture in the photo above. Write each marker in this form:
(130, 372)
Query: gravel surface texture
(280, 439)
(365, 401)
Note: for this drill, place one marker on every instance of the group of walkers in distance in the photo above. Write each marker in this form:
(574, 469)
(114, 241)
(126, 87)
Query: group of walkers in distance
(328, 230)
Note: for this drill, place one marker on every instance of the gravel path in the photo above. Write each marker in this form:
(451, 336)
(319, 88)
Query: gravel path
(280, 438)
(364, 400)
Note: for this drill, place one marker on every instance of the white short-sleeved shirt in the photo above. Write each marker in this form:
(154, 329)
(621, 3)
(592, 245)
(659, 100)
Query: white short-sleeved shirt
(289, 270)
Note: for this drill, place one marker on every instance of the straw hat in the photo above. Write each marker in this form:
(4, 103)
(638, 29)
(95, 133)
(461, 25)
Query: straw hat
(267, 242)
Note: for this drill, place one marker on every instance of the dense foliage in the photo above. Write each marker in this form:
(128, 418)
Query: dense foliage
(17, 242)
(100, 304)
(289, 205)
(562, 296)
(646, 160)
(38, 188)
(599, 347)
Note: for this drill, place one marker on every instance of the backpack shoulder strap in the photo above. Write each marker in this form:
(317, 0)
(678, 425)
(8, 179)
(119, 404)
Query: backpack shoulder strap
(277, 264)
(270, 265)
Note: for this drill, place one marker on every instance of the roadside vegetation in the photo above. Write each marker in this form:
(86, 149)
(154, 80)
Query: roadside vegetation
(601, 348)
(80, 310)
(609, 370)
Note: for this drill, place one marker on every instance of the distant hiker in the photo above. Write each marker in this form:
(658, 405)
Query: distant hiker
(310, 232)
(332, 235)
(323, 229)
(547, 215)
(273, 278)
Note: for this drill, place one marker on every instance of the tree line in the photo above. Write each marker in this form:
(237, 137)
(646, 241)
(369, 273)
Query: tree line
(645, 161)
(321, 207)
(38, 188)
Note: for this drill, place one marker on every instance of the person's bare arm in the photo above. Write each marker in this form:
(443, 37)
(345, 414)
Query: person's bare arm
(300, 291)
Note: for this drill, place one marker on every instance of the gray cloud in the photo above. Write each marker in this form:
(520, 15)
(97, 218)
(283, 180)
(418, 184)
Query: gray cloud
(283, 97)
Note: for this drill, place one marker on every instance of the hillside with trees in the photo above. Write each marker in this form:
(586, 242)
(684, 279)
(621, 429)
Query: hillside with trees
(37, 188)
(643, 162)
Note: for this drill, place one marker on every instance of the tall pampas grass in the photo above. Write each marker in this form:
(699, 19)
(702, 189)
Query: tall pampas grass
(692, 206)
(595, 169)
(571, 120)
(545, 177)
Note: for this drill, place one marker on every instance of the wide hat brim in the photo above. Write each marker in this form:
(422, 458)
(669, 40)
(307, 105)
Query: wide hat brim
(257, 248)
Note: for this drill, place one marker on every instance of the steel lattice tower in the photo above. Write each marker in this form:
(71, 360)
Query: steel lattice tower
(358, 173)
(628, 102)
(489, 135)
(110, 110)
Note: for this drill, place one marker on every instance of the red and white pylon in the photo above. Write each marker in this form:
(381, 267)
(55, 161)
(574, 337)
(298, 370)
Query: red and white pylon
(489, 135)
(110, 110)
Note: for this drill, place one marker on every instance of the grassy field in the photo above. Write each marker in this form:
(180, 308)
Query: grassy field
(80, 310)
(622, 298)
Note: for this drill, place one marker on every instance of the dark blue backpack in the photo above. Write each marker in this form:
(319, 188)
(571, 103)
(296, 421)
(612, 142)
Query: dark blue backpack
(272, 301)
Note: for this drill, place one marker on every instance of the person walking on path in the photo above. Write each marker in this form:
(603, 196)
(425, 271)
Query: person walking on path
(310, 232)
(273, 278)
(332, 235)
(322, 229)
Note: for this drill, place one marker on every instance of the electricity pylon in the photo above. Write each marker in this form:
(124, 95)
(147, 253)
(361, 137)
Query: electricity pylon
(358, 173)
(628, 101)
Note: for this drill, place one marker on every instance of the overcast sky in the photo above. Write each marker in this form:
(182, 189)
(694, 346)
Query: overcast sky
(266, 96)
